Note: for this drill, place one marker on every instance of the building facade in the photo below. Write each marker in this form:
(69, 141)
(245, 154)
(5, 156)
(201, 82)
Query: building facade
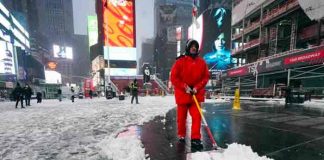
(274, 43)
(170, 15)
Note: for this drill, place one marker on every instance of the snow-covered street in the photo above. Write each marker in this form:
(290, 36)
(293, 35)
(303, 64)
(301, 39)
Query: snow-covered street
(66, 130)
(92, 129)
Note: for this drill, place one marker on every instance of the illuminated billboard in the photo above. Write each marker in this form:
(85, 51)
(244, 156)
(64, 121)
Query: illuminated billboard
(195, 30)
(214, 30)
(51, 65)
(53, 77)
(7, 65)
(62, 52)
(122, 61)
(121, 71)
(119, 23)
(98, 63)
(119, 53)
(92, 30)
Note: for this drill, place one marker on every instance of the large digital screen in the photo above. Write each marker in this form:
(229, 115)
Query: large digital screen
(92, 30)
(7, 65)
(122, 64)
(119, 23)
(123, 71)
(213, 34)
(195, 30)
(53, 77)
(120, 53)
(62, 52)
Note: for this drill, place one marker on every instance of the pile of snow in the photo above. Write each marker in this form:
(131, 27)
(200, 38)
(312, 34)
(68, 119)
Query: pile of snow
(123, 148)
(233, 152)
(217, 100)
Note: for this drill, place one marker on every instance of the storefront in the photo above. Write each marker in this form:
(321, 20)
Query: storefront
(298, 68)
(13, 37)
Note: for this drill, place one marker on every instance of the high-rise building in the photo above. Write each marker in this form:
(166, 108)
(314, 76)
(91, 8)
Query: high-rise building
(276, 43)
(56, 23)
(30, 62)
(169, 15)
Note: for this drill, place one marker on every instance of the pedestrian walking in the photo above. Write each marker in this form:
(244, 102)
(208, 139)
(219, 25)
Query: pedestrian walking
(189, 75)
(134, 89)
(39, 97)
(18, 95)
(72, 96)
(59, 94)
(109, 91)
(28, 93)
(90, 94)
(288, 95)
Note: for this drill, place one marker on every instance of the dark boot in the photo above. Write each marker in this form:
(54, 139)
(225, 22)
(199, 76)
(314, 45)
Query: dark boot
(196, 145)
(182, 140)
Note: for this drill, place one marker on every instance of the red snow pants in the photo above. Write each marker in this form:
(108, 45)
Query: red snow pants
(182, 111)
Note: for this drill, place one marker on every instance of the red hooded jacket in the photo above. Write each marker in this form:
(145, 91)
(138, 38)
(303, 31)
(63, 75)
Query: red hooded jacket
(192, 72)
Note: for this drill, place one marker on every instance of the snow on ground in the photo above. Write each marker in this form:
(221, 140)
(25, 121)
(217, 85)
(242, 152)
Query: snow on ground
(87, 129)
(233, 152)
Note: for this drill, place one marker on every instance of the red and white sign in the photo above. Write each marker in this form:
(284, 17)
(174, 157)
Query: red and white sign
(307, 57)
(237, 72)
(178, 33)
(87, 86)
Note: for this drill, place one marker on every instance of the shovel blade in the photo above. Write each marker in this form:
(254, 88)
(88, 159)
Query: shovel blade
(201, 155)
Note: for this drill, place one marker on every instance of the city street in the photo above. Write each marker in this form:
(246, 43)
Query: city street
(271, 129)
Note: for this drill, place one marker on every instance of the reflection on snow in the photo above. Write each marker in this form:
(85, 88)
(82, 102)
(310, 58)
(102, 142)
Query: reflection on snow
(130, 131)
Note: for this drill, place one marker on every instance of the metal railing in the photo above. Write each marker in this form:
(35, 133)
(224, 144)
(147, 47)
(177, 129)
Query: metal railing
(161, 84)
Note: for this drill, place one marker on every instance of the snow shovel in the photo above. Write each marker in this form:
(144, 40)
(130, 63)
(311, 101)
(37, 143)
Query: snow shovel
(215, 146)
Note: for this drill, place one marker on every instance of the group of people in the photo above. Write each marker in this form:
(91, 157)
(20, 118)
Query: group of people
(133, 89)
(25, 93)
(72, 90)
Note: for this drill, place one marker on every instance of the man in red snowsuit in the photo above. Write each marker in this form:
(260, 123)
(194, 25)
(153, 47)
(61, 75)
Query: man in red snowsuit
(189, 75)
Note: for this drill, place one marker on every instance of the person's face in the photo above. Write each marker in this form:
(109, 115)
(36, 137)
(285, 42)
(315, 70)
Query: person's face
(193, 49)
(220, 42)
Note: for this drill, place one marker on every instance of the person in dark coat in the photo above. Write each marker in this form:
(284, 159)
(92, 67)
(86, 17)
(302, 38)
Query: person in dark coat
(109, 91)
(134, 88)
(18, 95)
(288, 95)
(90, 93)
(59, 94)
(39, 97)
(28, 93)
(72, 96)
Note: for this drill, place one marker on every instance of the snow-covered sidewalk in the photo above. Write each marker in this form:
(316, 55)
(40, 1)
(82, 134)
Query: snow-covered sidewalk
(87, 129)
(66, 130)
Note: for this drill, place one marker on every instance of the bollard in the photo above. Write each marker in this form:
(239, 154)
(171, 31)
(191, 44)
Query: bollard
(237, 104)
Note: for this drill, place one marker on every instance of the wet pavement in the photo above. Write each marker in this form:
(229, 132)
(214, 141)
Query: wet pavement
(280, 132)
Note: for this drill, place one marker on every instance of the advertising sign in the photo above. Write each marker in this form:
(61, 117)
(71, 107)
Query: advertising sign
(123, 71)
(87, 86)
(7, 65)
(215, 48)
(303, 58)
(53, 77)
(98, 63)
(119, 23)
(62, 52)
(52, 65)
(195, 31)
(306, 57)
(178, 33)
(119, 53)
(168, 13)
(92, 30)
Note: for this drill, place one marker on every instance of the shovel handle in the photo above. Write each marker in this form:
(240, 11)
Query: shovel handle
(210, 135)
